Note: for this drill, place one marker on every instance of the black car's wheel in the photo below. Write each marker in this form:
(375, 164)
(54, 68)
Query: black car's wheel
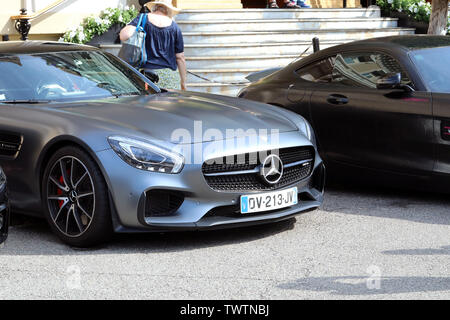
(75, 198)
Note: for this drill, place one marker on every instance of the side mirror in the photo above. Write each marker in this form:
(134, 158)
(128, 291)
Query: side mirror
(389, 81)
(151, 75)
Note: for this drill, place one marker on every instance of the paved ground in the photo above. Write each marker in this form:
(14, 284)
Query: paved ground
(360, 244)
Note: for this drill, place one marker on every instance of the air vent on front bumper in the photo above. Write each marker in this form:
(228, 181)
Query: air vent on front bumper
(159, 203)
(9, 144)
(241, 172)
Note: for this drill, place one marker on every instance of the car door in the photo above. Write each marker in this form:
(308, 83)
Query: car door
(358, 124)
(306, 80)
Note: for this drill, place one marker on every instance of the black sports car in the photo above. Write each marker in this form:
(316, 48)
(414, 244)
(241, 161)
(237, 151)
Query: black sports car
(377, 106)
(4, 209)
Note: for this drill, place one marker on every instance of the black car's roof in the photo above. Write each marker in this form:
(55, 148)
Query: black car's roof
(398, 46)
(395, 44)
(30, 47)
(409, 42)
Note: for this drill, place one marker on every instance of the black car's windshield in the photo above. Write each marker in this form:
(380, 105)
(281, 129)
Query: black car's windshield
(66, 76)
(434, 67)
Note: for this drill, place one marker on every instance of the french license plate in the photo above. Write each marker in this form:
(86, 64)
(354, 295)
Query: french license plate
(269, 201)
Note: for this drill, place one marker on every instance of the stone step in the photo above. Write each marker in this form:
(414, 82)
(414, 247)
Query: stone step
(285, 24)
(226, 45)
(229, 90)
(290, 36)
(236, 49)
(267, 14)
(237, 62)
(220, 75)
(211, 5)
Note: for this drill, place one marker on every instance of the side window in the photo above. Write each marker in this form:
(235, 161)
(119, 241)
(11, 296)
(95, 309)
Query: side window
(364, 69)
(320, 71)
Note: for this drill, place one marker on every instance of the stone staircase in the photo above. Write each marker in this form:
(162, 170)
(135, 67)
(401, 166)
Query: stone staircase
(227, 45)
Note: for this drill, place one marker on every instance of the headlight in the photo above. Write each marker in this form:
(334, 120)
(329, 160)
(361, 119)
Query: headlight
(301, 123)
(309, 131)
(241, 93)
(2, 179)
(306, 128)
(145, 156)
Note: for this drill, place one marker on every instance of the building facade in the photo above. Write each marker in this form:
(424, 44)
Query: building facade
(56, 21)
(69, 13)
(238, 4)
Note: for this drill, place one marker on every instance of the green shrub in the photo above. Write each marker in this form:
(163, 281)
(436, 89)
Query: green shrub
(420, 10)
(92, 26)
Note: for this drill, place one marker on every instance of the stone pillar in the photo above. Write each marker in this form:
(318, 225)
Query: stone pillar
(208, 4)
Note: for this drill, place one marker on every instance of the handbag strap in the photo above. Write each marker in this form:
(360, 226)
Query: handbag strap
(141, 23)
(144, 22)
(141, 27)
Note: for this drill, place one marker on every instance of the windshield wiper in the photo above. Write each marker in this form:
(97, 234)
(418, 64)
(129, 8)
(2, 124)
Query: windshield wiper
(30, 101)
(121, 94)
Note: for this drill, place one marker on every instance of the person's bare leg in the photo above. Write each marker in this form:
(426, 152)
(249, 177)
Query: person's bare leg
(273, 4)
(181, 63)
(290, 5)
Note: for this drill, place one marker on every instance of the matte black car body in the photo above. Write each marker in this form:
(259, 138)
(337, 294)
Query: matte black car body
(35, 134)
(395, 135)
(4, 208)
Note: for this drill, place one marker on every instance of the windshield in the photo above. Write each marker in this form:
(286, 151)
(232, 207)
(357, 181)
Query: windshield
(434, 67)
(65, 76)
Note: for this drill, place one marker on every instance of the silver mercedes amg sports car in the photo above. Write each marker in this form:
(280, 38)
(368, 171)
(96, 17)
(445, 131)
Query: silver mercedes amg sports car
(96, 147)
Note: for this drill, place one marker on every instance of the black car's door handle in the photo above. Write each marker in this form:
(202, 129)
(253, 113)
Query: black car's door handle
(337, 99)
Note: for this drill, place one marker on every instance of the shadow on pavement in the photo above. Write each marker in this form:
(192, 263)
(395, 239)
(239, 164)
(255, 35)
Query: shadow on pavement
(416, 206)
(420, 252)
(32, 236)
(354, 286)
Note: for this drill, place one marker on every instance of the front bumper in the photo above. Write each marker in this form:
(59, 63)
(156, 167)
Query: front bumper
(202, 207)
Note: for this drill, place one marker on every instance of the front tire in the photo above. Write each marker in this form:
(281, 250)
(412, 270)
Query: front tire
(75, 198)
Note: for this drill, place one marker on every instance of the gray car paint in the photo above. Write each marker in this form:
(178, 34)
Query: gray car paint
(89, 123)
(45, 127)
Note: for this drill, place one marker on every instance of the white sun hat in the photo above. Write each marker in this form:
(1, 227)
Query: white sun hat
(172, 10)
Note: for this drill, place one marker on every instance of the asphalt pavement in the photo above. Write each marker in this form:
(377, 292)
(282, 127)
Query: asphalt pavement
(361, 244)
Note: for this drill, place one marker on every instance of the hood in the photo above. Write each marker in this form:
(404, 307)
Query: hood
(159, 115)
(255, 76)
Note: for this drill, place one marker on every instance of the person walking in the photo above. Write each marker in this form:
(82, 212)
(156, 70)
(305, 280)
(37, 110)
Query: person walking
(303, 4)
(288, 4)
(164, 44)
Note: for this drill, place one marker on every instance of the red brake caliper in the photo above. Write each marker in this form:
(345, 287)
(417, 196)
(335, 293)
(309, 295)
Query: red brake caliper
(60, 192)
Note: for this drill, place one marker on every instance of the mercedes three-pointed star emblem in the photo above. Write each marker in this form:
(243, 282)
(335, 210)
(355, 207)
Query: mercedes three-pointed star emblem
(272, 169)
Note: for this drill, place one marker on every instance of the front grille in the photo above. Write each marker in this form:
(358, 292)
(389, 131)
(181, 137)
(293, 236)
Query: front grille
(249, 161)
(217, 180)
(162, 203)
